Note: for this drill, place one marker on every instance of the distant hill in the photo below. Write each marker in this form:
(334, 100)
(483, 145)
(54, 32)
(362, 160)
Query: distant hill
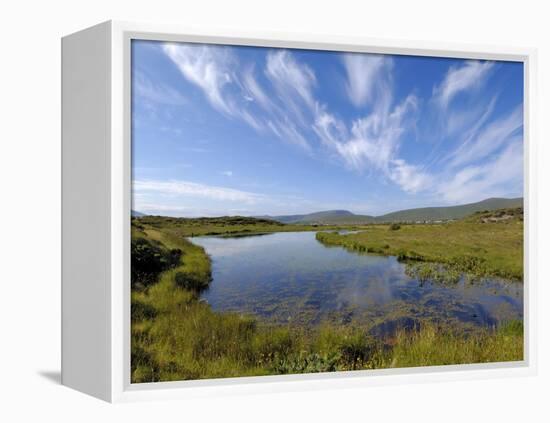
(137, 214)
(329, 216)
(409, 215)
(452, 212)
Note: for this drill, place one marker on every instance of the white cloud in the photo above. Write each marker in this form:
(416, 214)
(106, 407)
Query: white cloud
(155, 208)
(294, 83)
(284, 114)
(286, 130)
(192, 189)
(409, 177)
(285, 104)
(227, 173)
(239, 95)
(155, 92)
(459, 79)
(290, 77)
(255, 91)
(184, 198)
(364, 74)
(470, 119)
(452, 120)
(208, 67)
(373, 142)
(502, 176)
(330, 130)
(490, 139)
(252, 120)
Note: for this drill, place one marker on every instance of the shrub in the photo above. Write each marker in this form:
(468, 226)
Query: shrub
(191, 281)
(174, 257)
(356, 350)
(142, 311)
(149, 260)
(395, 226)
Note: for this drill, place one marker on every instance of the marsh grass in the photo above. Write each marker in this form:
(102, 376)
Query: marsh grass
(176, 336)
(432, 346)
(476, 246)
(228, 226)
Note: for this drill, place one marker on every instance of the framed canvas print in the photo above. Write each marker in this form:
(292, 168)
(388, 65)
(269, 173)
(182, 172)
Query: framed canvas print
(267, 212)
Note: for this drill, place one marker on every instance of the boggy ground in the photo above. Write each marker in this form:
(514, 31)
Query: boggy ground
(484, 244)
(176, 336)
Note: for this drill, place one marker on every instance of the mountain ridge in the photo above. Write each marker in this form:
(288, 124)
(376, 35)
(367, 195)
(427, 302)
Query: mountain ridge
(407, 215)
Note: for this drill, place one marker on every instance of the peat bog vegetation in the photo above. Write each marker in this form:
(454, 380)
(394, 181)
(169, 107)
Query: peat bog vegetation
(176, 334)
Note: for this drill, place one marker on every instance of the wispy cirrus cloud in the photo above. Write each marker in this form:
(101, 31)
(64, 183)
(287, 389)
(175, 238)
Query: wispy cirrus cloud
(255, 91)
(208, 67)
(156, 92)
(236, 92)
(489, 139)
(468, 120)
(365, 73)
(373, 142)
(196, 190)
(186, 198)
(499, 176)
(478, 146)
(411, 178)
(292, 80)
(459, 79)
(279, 97)
(463, 119)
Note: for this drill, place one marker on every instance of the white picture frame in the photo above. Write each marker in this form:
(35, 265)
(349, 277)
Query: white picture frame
(96, 189)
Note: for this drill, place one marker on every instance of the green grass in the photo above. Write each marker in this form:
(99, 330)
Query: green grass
(224, 226)
(434, 347)
(176, 336)
(467, 246)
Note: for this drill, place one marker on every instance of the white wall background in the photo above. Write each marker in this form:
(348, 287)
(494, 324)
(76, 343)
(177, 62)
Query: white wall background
(30, 206)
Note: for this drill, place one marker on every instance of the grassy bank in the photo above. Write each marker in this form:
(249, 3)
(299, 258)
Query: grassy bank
(224, 226)
(485, 244)
(176, 336)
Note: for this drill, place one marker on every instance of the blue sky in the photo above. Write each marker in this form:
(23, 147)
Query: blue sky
(225, 130)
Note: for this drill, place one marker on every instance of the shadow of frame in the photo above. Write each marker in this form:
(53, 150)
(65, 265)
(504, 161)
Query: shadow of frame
(54, 376)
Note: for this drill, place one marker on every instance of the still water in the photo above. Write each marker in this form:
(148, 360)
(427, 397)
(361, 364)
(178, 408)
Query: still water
(291, 277)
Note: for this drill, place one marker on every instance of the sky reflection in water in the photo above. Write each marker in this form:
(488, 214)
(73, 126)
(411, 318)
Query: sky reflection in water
(291, 277)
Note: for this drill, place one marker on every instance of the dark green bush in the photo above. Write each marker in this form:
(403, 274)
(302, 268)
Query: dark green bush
(173, 257)
(190, 281)
(356, 351)
(142, 311)
(395, 226)
(148, 260)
